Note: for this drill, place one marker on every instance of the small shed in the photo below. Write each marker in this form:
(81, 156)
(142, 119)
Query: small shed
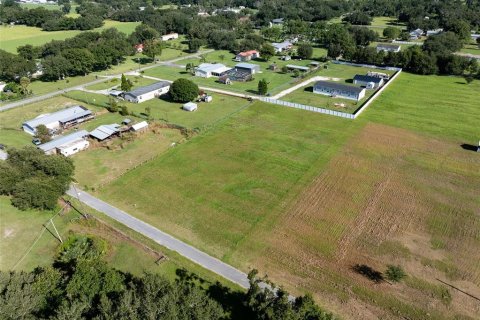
(207, 98)
(190, 106)
(105, 131)
(141, 126)
(126, 121)
(295, 67)
(115, 93)
(315, 64)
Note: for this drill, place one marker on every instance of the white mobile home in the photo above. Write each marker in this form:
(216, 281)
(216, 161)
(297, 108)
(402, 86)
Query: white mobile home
(149, 92)
(67, 145)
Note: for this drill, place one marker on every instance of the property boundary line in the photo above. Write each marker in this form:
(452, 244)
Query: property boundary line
(340, 114)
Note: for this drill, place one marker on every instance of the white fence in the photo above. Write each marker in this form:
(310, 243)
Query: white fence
(308, 108)
(379, 92)
(332, 112)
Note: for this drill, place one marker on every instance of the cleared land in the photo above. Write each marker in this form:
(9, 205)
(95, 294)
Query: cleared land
(19, 35)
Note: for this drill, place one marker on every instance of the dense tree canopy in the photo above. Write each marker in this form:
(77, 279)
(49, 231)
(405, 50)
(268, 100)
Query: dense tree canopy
(33, 179)
(183, 90)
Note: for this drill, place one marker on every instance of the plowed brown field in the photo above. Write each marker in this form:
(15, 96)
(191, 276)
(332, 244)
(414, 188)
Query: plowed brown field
(390, 197)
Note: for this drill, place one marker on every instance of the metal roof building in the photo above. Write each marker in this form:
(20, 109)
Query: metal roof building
(148, 92)
(57, 119)
(250, 67)
(368, 81)
(51, 146)
(139, 126)
(301, 68)
(105, 131)
(334, 89)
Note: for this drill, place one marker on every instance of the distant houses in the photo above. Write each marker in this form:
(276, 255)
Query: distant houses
(416, 34)
(247, 55)
(59, 120)
(149, 92)
(388, 47)
(282, 46)
(170, 36)
(339, 90)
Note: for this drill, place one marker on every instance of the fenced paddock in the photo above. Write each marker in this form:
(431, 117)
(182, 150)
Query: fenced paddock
(339, 113)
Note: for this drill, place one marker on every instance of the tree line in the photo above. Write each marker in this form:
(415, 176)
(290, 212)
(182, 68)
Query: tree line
(52, 20)
(80, 285)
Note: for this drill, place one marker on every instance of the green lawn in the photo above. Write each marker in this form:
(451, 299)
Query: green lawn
(105, 85)
(235, 175)
(19, 35)
(437, 105)
(472, 48)
(306, 96)
(163, 110)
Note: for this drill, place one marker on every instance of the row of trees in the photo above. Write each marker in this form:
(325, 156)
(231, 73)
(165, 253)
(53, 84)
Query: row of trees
(51, 20)
(80, 285)
(33, 179)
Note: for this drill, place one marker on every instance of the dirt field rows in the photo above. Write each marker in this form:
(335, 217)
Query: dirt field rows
(415, 204)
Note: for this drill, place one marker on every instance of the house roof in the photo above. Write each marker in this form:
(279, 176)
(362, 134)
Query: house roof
(248, 53)
(338, 86)
(282, 45)
(64, 115)
(247, 65)
(363, 78)
(104, 131)
(140, 125)
(212, 67)
(63, 140)
(154, 86)
(388, 46)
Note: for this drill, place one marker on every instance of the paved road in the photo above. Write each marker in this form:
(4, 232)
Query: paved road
(82, 86)
(166, 240)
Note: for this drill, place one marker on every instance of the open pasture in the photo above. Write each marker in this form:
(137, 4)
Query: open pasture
(19, 35)
(388, 197)
(235, 175)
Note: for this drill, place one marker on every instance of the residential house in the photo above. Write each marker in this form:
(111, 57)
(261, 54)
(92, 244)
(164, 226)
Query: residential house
(388, 47)
(282, 46)
(139, 47)
(339, 90)
(247, 55)
(434, 32)
(416, 34)
(170, 36)
(58, 120)
(368, 81)
(149, 92)
(248, 67)
(207, 70)
(67, 145)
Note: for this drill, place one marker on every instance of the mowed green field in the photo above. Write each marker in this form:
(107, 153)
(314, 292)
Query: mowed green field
(14, 36)
(235, 176)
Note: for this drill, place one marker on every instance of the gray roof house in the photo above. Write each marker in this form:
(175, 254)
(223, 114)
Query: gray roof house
(368, 81)
(249, 67)
(55, 145)
(59, 119)
(282, 46)
(105, 131)
(152, 91)
(388, 47)
(338, 90)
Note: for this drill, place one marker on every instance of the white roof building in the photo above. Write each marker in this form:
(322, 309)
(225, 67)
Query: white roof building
(170, 36)
(207, 70)
(140, 126)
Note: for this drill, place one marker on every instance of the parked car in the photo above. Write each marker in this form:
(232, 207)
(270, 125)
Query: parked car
(36, 141)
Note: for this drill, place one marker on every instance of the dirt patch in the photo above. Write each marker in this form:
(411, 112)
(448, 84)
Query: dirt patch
(388, 185)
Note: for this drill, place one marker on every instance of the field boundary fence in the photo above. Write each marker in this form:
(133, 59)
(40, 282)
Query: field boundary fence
(333, 112)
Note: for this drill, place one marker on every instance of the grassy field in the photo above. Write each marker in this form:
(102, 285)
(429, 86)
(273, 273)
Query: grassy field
(19, 35)
(167, 111)
(472, 48)
(304, 197)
